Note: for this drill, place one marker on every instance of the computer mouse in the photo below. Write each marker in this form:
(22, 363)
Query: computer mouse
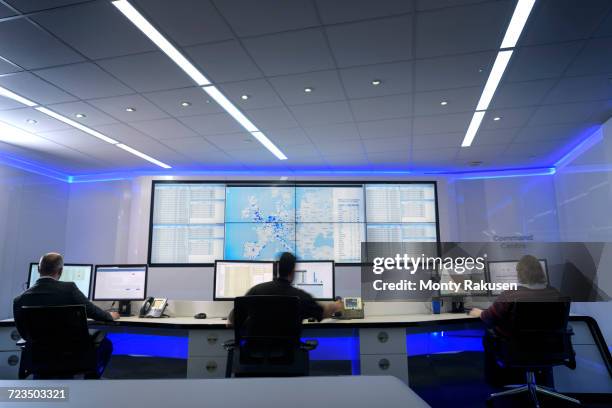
(200, 316)
(311, 320)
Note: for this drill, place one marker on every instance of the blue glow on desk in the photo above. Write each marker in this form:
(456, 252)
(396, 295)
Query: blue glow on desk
(149, 345)
(444, 342)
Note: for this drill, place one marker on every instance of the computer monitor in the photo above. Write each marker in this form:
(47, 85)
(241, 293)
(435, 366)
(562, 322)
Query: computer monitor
(80, 274)
(120, 282)
(235, 278)
(316, 278)
(449, 275)
(505, 272)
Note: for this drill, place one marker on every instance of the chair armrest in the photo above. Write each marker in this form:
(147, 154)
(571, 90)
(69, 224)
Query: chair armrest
(21, 344)
(309, 345)
(229, 345)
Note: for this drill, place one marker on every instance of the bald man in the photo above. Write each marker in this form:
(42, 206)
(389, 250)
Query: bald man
(50, 291)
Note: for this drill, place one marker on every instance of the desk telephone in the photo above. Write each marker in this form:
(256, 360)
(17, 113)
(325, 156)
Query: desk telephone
(153, 307)
(353, 308)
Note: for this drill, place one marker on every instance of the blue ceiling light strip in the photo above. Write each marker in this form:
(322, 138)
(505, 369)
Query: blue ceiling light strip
(33, 168)
(583, 144)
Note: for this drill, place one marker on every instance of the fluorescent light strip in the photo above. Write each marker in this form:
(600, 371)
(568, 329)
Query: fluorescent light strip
(230, 108)
(142, 155)
(517, 23)
(472, 129)
(12, 95)
(147, 28)
(495, 76)
(263, 139)
(75, 124)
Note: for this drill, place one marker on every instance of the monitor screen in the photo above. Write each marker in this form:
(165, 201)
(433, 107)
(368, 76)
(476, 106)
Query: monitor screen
(449, 275)
(505, 272)
(235, 278)
(316, 278)
(79, 274)
(120, 282)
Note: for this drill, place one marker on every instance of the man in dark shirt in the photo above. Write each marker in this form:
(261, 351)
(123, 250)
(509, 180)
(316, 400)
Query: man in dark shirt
(282, 286)
(50, 291)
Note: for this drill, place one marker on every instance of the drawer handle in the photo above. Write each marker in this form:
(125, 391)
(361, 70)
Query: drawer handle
(383, 337)
(212, 339)
(384, 364)
(211, 366)
(13, 360)
(15, 335)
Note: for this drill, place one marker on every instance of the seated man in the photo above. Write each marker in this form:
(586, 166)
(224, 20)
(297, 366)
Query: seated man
(532, 287)
(281, 286)
(50, 291)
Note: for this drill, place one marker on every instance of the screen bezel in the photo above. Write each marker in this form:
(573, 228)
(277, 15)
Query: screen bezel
(277, 183)
(333, 297)
(215, 298)
(488, 272)
(91, 275)
(95, 281)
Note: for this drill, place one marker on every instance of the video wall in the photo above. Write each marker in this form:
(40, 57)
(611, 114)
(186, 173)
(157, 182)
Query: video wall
(200, 222)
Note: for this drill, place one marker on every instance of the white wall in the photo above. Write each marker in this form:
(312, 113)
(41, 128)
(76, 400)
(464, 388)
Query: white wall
(32, 221)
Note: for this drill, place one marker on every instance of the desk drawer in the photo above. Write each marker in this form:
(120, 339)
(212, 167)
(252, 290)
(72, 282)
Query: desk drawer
(382, 341)
(8, 337)
(206, 367)
(208, 342)
(385, 364)
(9, 365)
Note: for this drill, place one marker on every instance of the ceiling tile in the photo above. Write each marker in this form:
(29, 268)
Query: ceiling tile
(326, 87)
(385, 160)
(249, 18)
(595, 58)
(510, 118)
(563, 20)
(459, 100)
(486, 137)
(147, 72)
(387, 144)
(322, 113)
(260, 94)
(336, 132)
(372, 42)
(194, 147)
(307, 163)
(457, 122)
(164, 129)
(531, 149)
(542, 61)
(84, 81)
(30, 47)
(396, 78)
(232, 141)
(517, 94)
(385, 128)
(288, 137)
(295, 152)
(349, 147)
(224, 61)
(272, 118)
(456, 71)
(578, 89)
(423, 5)
(605, 28)
(117, 105)
(33, 88)
(382, 107)
(213, 124)
(565, 113)
(346, 161)
(96, 29)
(93, 116)
(340, 11)
(194, 22)
(434, 156)
(548, 133)
(170, 101)
(5, 11)
(424, 141)
(290, 52)
(471, 28)
(7, 67)
(480, 153)
(28, 6)
(20, 117)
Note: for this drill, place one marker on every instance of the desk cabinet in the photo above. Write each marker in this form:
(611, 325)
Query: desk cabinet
(10, 355)
(382, 351)
(207, 357)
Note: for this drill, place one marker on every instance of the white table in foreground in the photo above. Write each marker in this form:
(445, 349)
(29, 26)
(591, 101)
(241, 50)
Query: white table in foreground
(302, 392)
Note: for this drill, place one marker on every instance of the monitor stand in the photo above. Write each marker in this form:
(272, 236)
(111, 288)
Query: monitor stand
(125, 308)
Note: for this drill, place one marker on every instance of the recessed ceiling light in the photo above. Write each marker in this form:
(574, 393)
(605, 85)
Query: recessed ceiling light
(32, 121)
(208, 101)
(308, 90)
(481, 70)
(130, 109)
(244, 97)
(497, 118)
(444, 103)
(376, 82)
(80, 115)
(248, 140)
(185, 104)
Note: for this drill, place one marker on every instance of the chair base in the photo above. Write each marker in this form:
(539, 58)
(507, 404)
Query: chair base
(532, 389)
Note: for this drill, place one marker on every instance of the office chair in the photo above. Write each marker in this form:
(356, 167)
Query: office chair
(267, 338)
(541, 341)
(57, 344)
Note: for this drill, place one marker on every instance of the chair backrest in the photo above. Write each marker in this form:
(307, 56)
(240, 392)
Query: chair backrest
(540, 336)
(58, 341)
(267, 329)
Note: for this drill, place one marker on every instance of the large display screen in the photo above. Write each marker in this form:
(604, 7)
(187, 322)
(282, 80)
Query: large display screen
(200, 222)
